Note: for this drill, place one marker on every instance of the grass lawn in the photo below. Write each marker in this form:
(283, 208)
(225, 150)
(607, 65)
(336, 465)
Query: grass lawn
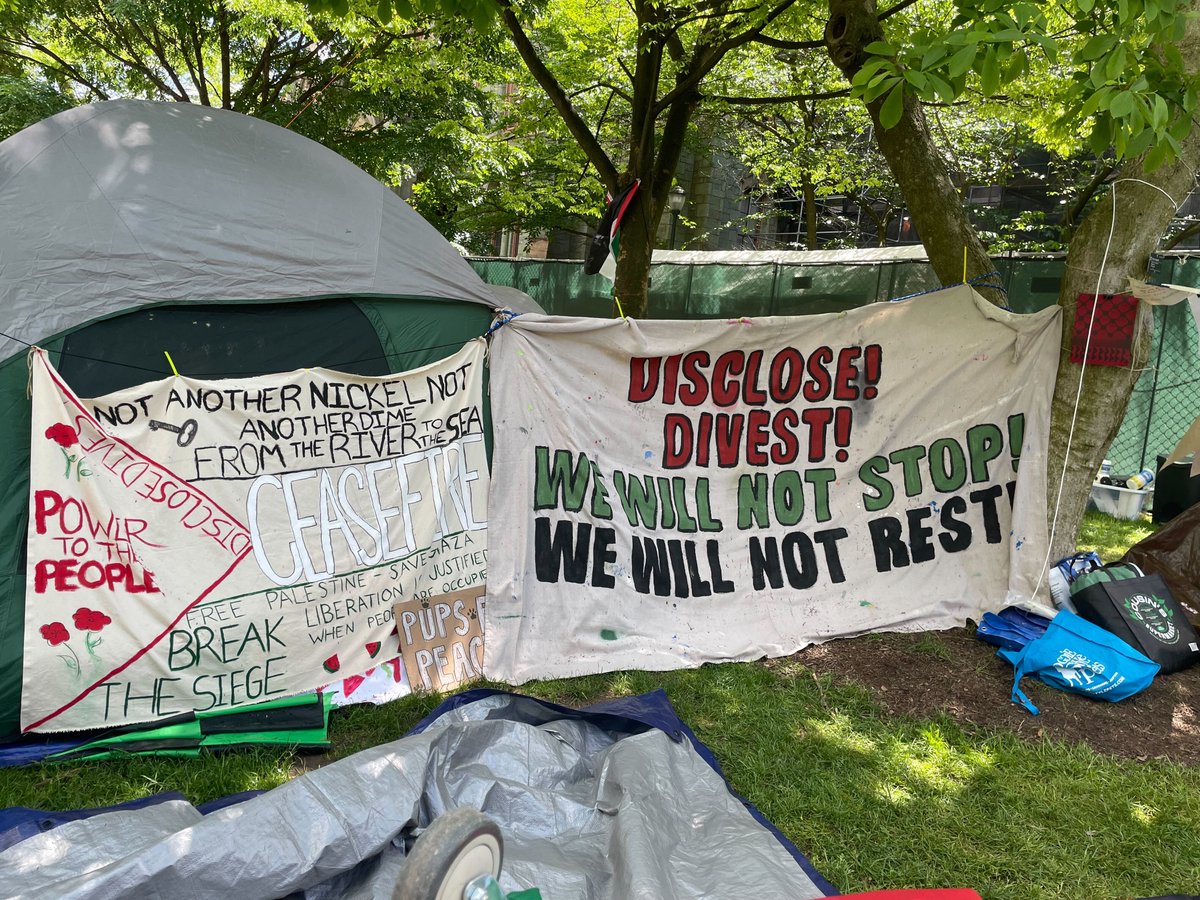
(1111, 537)
(875, 801)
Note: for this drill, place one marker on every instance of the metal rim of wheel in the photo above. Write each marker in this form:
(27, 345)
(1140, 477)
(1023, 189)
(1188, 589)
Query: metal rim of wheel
(456, 849)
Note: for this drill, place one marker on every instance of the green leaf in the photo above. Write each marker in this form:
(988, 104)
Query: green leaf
(933, 55)
(384, 10)
(1122, 105)
(1101, 137)
(1181, 128)
(989, 75)
(1048, 44)
(1158, 154)
(1097, 46)
(880, 48)
(917, 79)
(1016, 67)
(869, 68)
(942, 87)
(876, 91)
(1140, 142)
(1085, 5)
(1160, 115)
(1096, 101)
(893, 107)
(961, 61)
(1116, 63)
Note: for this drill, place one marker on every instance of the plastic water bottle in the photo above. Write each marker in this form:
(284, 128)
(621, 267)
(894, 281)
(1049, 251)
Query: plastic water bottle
(1140, 480)
(1060, 589)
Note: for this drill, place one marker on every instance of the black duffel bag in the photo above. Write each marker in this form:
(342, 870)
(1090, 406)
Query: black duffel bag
(1141, 611)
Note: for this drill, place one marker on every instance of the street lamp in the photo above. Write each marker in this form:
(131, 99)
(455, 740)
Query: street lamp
(675, 200)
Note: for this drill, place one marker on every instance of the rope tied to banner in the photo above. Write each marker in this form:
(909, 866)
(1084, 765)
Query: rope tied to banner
(977, 281)
(503, 317)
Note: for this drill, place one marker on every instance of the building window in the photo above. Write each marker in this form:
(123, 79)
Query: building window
(989, 195)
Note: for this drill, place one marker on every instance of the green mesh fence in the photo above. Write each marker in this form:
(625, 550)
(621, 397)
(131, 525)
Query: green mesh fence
(1164, 403)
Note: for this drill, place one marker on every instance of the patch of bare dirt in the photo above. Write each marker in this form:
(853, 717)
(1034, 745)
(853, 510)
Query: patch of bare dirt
(952, 672)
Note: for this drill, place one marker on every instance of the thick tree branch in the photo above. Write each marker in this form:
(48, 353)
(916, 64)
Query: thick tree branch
(912, 156)
(154, 41)
(1081, 201)
(1176, 239)
(202, 83)
(707, 57)
(131, 62)
(575, 124)
(784, 98)
(223, 36)
(892, 10)
(781, 44)
(64, 67)
(249, 86)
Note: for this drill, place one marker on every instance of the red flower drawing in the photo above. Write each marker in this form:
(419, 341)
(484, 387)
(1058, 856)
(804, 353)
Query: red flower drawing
(90, 619)
(56, 633)
(63, 435)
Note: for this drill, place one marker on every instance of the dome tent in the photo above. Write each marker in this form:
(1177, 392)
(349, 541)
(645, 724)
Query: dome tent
(128, 228)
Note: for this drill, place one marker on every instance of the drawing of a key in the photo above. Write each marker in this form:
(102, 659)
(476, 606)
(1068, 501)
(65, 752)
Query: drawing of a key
(185, 433)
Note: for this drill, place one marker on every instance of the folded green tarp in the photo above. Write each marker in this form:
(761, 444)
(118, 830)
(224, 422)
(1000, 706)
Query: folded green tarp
(301, 721)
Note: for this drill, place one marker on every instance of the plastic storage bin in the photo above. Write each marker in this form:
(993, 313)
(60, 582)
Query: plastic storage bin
(1123, 503)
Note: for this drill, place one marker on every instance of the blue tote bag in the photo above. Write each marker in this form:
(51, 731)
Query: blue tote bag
(1076, 656)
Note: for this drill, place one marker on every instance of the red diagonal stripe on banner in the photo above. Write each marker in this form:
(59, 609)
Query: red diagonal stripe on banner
(67, 394)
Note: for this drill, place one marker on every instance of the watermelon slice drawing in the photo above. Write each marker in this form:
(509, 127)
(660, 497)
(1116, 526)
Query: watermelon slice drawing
(332, 665)
(373, 648)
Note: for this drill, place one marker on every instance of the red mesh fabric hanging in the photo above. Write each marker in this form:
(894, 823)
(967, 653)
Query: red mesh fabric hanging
(1112, 331)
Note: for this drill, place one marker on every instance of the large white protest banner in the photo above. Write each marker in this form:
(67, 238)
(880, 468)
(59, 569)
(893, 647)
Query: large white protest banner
(198, 545)
(678, 492)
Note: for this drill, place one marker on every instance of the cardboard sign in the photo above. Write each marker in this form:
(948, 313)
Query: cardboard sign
(441, 640)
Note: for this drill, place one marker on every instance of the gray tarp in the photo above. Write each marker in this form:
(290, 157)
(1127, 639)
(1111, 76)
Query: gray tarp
(585, 813)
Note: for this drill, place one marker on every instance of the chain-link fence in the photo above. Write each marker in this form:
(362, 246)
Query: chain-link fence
(1164, 403)
(1166, 399)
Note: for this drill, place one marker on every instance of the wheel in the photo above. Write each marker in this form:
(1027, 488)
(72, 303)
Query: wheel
(457, 848)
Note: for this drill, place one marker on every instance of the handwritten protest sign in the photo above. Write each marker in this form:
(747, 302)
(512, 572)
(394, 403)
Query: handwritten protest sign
(441, 640)
(200, 545)
(678, 492)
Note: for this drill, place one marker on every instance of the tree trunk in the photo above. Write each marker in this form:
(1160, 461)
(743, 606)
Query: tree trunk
(810, 211)
(1136, 215)
(912, 156)
(1111, 244)
(632, 285)
(658, 167)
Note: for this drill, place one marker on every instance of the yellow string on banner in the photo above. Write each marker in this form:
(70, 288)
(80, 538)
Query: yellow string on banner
(171, 362)
(964, 263)
(620, 311)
